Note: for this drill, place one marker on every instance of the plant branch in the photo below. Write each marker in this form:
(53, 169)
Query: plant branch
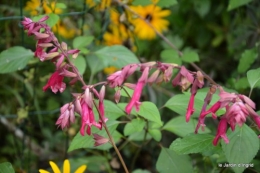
(166, 40)
(112, 140)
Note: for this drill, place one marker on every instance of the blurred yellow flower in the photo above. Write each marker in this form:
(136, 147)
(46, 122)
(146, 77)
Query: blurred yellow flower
(66, 168)
(64, 30)
(152, 14)
(35, 6)
(99, 6)
(51, 8)
(110, 70)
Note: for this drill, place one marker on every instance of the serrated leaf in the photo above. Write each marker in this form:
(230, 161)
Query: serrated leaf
(6, 167)
(136, 125)
(247, 58)
(142, 2)
(14, 58)
(169, 161)
(181, 128)
(80, 63)
(82, 41)
(149, 111)
(166, 3)
(156, 134)
(253, 77)
(95, 64)
(193, 143)
(242, 147)
(118, 56)
(190, 56)
(237, 3)
(170, 56)
(86, 141)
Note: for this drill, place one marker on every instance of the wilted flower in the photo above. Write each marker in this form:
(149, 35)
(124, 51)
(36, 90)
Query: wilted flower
(184, 79)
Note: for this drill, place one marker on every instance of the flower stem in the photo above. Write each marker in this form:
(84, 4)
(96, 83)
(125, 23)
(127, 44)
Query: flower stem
(111, 140)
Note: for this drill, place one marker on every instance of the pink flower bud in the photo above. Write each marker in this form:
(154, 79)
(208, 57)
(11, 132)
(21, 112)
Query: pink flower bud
(117, 96)
(99, 140)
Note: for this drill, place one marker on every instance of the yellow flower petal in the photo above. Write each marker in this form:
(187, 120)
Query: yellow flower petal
(66, 166)
(43, 171)
(81, 169)
(54, 167)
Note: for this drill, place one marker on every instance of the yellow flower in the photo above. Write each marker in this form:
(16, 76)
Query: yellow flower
(51, 8)
(66, 168)
(152, 14)
(63, 30)
(110, 70)
(100, 6)
(35, 6)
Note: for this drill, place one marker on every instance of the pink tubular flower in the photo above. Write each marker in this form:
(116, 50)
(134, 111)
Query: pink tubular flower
(55, 83)
(87, 119)
(66, 116)
(198, 83)
(190, 109)
(134, 102)
(221, 132)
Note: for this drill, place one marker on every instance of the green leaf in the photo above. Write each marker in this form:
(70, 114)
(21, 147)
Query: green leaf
(190, 56)
(202, 7)
(193, 143)
(180, 127)
(149, 111)
(179, 104)
(247, 58)
(242, 147)
(139, 136)
(80, 63)
(60, 5)
(156, 134)
(166, 3)
(142, 2)
(88, 141)
(136, 125)
(170, 56)
(169, 161)
(14, 58)
(253, 77)
(82, 41)
(52, 20)
(95, 64)
(6, 167)
(141, 171)
(237, 3)
(124, 92)
(241, 83)
(112, 111)
(117, 56)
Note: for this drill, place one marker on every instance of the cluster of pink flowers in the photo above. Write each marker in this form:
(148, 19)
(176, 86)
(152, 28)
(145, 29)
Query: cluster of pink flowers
(238, 107)
(58, 54)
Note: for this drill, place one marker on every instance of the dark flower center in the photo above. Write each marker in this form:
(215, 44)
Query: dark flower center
(148, 17)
